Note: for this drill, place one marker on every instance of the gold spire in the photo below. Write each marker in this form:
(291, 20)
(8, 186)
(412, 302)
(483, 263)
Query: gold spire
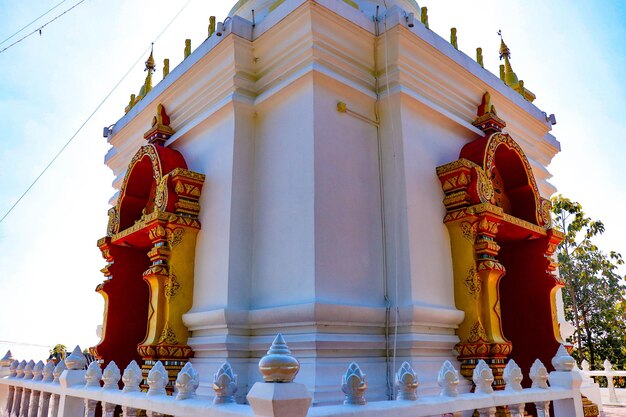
(479, 57)
(509, 77)
(147, 85)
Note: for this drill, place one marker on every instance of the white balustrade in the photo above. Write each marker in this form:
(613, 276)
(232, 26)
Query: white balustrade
(610, 395)
(35, 390)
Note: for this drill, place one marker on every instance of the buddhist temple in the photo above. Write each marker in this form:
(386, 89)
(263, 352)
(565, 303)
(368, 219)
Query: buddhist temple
(336, 172)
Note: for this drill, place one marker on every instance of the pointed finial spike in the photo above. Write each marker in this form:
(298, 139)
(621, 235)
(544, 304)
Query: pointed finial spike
(453, 38)
(187, 48)
(563, 361)
(166, 67)
(211, 26)
(279, 365)
(424, 17)
(76, 360)
(7, 360)
(479, 57)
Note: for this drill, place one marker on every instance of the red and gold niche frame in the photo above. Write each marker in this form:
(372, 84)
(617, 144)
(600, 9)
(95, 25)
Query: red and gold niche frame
(502, 246)
(150, 250)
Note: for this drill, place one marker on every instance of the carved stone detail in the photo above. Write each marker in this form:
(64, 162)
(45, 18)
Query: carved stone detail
(38, 371)
(279, 365)
(76, 360)
(132, 377)
(406, 381)
(448, 380)
(157, 379)
(111, 376)
(224, 385)
(48, 371)
(513, 376)
(28, 369)
(93, 375)
(563, 361)
(187, 382)
(483, 378)
(539, 375)
(58, 370)
(354, 385)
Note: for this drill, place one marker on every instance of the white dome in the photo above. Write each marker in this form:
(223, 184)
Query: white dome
(262, 8)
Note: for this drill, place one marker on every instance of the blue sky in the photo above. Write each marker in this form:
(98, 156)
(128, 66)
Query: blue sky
(570, 54)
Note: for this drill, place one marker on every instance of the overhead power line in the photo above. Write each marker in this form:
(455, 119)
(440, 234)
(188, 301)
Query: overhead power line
(33, 21)
(41, 27)
(141, 57)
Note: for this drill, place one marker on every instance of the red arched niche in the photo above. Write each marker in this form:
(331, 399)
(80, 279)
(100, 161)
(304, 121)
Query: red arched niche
(138, 194)
(126, 249)
(510, 173)
(527, 289)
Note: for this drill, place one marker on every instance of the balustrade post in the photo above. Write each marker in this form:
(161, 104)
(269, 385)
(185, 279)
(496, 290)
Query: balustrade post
(539, 376)
(17, 402)
(25, 402)
(513, 378)
(90, 407)
(483, 379)
(55, 399)
(73, 375)
(108, 409)
(563, 377)
(44, 401)
(33, 406)
(608, 368)
(129, 411)
(47, 376)
(279, 396)
(6, 391)
(28, 375)
(7, 407)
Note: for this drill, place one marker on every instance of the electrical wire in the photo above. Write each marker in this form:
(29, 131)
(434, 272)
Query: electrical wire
(27, 25)
(141, 57)
(41, 27)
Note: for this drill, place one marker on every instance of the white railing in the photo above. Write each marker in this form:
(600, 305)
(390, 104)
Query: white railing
(610, 395)
(68, 390)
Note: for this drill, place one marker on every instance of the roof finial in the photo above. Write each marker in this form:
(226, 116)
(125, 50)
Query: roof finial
(150, 64)
(510, 78)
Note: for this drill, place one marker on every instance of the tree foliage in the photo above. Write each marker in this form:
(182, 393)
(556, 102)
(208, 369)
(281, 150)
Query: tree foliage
(58, 353)
(594, 293)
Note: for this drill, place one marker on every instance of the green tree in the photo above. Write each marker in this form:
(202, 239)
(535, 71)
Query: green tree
(58, 353)
(594, 294)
